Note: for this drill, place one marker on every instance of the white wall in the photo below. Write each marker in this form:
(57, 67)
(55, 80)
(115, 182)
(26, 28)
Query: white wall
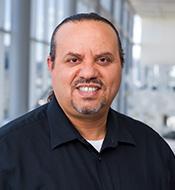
(150, 104)
(158, 41)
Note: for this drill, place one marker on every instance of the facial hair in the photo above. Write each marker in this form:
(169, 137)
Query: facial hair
(88, 110)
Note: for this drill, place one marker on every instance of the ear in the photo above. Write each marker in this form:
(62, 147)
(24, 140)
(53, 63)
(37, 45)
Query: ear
(49, 63)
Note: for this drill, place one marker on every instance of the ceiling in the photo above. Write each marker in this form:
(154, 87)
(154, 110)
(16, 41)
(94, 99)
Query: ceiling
(154, 8)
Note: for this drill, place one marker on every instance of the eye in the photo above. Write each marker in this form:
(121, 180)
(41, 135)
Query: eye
(73, 60)
(104, 60)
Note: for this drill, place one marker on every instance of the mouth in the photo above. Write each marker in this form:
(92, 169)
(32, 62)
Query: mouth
(88, 90)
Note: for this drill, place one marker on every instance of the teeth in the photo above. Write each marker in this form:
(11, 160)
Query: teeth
(87, 89)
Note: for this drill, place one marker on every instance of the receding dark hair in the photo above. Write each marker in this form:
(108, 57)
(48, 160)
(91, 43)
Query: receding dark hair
(82, 17)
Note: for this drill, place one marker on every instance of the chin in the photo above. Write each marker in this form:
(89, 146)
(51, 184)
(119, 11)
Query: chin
(88, 110)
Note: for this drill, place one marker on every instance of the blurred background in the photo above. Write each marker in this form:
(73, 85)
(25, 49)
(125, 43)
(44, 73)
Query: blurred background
(146, 29)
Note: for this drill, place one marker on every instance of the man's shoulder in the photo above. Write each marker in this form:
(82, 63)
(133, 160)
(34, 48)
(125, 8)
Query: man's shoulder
(146, 138)
(25, 122)
(128, 121)
(138, 129)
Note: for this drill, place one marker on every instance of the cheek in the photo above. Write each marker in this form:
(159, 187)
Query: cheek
(57, 78)
(113, 79)
(113, 85)
(61, 80)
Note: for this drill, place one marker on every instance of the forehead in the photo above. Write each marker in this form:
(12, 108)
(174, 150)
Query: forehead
(85, 23)
(86, 29)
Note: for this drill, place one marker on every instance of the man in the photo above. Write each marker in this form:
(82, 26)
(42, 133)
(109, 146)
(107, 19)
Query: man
(76, 141)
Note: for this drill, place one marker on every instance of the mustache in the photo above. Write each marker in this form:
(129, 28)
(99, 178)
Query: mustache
(87, 81)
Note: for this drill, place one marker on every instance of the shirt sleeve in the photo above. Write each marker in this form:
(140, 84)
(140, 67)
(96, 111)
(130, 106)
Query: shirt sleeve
(4, 184)
(172, 170)
(6, 172)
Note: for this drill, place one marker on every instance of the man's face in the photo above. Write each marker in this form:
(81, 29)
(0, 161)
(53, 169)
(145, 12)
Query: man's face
(87, 69)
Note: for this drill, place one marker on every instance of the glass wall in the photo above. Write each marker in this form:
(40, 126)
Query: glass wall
(86, 6)
(46, 14)
(123, 17)
(117, 11)
(5, 42)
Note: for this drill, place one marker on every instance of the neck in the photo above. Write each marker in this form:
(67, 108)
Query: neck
(91, 128)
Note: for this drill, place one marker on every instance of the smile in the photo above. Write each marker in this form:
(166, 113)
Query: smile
(88, 89)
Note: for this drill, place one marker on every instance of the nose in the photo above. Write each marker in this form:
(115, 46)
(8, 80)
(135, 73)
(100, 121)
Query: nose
(88, 71)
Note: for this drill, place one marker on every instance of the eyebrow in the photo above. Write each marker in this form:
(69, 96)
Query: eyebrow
(73, 54)
(104, 54)
(96, 56)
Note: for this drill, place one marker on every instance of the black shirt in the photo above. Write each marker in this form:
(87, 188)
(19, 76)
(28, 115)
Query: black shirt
(43, 151)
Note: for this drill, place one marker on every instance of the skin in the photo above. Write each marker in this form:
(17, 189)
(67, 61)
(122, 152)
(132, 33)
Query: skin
(86, 75)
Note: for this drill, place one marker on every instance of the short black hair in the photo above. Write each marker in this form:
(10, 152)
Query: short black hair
(82, 17)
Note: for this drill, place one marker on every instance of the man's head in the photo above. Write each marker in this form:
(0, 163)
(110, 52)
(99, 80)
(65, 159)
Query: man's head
(83, 17)
(85, 63)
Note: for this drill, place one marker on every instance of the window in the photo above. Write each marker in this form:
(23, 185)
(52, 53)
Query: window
(5, 42)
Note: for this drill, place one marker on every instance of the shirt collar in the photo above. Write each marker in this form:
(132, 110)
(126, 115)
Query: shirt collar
(117, 132)
(62, 130)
